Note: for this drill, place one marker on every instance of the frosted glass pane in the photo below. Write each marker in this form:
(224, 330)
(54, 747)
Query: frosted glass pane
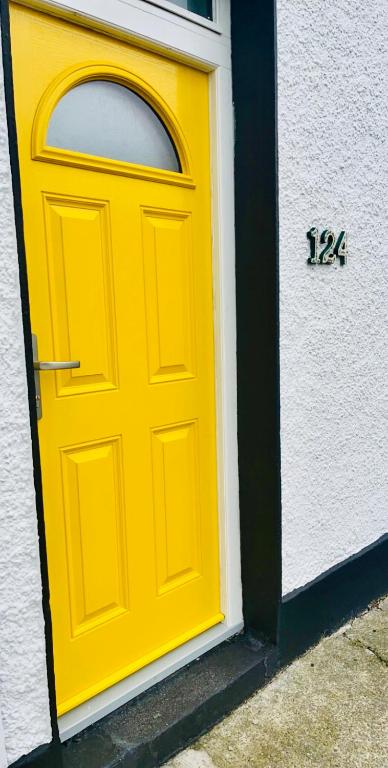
(108, 120)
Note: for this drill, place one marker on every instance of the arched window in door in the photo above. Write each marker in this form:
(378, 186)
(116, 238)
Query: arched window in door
(106, 119)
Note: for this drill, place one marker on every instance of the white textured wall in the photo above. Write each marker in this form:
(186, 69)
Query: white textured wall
(3, 754)
(24, 709)
(333, 121)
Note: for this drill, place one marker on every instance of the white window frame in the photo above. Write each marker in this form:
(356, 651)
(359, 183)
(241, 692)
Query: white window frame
(194, 17)
(206, 47)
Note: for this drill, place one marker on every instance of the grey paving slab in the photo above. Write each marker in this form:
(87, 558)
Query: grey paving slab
(192, 758)
(371, 631)
(384, 604)
(329, 709)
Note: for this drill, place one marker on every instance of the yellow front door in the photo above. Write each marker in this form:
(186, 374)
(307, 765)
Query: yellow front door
(114, 156)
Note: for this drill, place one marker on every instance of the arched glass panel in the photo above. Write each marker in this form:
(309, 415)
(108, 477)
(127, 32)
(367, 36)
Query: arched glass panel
(106, 119)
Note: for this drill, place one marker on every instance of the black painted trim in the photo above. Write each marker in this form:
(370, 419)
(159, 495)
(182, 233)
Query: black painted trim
(258, 391)
(46, 756)
(336, 596)
(15, 173)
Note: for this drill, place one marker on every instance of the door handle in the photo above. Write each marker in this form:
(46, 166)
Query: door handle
(46, 365)
(55, 365)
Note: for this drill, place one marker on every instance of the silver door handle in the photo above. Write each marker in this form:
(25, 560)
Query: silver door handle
(55, 365)
(46, 365)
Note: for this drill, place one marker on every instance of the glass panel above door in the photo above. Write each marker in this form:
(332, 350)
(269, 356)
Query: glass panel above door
(201, 7)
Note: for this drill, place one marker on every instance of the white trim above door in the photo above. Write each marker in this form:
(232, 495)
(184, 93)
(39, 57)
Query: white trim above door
(151, 26)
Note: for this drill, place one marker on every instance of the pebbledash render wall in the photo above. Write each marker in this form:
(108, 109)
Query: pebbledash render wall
(333, 172)
(24, 707)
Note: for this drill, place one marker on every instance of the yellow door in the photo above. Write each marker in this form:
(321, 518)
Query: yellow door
(118, 243)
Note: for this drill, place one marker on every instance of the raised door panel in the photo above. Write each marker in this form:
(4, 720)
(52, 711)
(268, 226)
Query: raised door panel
(95, 533)
(168, 278)
(81, 293)
(176, 505)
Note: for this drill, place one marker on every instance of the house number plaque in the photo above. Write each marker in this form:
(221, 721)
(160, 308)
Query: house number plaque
(326, 248)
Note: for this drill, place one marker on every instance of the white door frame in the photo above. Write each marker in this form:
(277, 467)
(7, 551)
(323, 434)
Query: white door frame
(206, 45)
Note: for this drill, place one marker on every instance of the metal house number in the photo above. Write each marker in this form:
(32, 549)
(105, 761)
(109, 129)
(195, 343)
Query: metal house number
(333, 247)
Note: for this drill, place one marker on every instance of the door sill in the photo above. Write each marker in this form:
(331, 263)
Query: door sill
(171, 715)
(106, 702)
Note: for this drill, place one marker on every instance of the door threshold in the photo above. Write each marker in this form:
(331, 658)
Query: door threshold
(148, 731)
(106, 702)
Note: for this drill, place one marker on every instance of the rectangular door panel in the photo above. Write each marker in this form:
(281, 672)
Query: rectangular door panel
(82, 305)
(176, 504)
(95, 533)
(169, 295)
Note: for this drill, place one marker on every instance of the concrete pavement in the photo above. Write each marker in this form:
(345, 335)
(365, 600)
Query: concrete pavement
(329, 709)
